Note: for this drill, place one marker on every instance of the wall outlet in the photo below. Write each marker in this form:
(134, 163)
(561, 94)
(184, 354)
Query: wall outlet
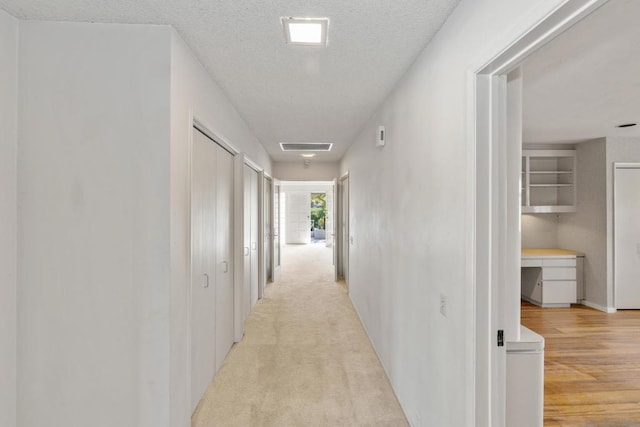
(443, 305)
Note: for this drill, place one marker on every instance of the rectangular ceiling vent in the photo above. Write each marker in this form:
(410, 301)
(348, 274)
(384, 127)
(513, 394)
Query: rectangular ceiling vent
(305, 146)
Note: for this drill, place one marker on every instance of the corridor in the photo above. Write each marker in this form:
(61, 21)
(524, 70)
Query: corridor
(304, 360)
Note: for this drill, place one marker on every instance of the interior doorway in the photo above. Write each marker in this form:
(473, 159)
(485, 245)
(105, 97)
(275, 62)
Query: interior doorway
(497, 209)
(306, 211)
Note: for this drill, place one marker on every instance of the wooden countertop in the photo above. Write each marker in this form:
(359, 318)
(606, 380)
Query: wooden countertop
(549, 252)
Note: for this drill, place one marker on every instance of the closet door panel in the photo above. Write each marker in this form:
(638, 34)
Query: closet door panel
(224, 251)
(203, 250)
(246, 290)
(255, 212)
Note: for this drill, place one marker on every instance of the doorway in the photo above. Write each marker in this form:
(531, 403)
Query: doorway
(497, 208)
(306, 219)
(318, 216)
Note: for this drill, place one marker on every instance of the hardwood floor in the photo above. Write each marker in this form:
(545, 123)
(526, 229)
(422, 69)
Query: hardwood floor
(592, 365)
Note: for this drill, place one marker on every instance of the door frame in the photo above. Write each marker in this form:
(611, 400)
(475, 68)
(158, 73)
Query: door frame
(488, 204)
(341, 251)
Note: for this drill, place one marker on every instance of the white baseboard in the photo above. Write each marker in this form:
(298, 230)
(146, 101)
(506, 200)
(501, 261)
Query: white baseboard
(598, 306)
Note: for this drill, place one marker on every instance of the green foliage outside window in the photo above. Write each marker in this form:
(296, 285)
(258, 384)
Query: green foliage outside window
(318, 209)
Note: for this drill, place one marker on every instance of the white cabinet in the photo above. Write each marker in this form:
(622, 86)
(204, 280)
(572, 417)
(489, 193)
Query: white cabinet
(550, 281)
(548, 181)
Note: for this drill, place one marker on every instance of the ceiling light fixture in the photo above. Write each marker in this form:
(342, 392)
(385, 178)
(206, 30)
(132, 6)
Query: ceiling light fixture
(306, 31)
(627, 125)
(308, 156)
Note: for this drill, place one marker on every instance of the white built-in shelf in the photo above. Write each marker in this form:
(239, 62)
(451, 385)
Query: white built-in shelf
(548, 181)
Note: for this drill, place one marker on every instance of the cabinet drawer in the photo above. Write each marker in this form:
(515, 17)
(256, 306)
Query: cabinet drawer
(559, 292)
(559, 273)
(531, 262)
(559, 262)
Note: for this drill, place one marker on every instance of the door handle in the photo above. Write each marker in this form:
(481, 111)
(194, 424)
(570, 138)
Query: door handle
(254, 245)
(246, 251)
(226, 266)
(205, 283)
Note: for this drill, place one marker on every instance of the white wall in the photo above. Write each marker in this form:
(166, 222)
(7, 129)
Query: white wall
(193, 93)
(93, 267)
(8, 210)
(540, 230)
(295, 171)
(586, 229)
(411, 205)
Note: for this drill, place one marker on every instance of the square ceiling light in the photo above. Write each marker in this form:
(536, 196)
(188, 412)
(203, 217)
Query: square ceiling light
(306, 31)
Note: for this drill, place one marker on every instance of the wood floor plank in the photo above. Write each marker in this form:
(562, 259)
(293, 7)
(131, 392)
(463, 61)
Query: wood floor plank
(592, 365)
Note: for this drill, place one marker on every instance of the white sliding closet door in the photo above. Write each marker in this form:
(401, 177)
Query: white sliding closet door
(251, 261)
(224, 254)
(255, 235)
(627, 236)
(211, 291)
(203, 268)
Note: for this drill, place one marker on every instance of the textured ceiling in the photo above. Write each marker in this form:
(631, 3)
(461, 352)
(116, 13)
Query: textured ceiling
(587, 81)
(285, 93)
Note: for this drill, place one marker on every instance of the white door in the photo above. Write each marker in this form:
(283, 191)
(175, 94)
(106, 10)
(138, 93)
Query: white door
(203, 251)
(224, 254)
(329, 219)
(251, 213)
(276, 230)
(255, 235)
(298, 217)
(246, 250)
(627, 236)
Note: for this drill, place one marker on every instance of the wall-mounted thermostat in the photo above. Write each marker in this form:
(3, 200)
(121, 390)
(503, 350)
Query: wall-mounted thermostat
(380, 137)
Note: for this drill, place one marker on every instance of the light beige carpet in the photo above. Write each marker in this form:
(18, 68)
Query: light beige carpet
(305, 359)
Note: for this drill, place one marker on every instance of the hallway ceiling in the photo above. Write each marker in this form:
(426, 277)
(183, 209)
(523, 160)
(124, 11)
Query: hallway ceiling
(285, 93)
(587, 81)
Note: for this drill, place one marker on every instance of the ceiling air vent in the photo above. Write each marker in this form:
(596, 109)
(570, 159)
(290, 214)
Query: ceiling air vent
(305, 146)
